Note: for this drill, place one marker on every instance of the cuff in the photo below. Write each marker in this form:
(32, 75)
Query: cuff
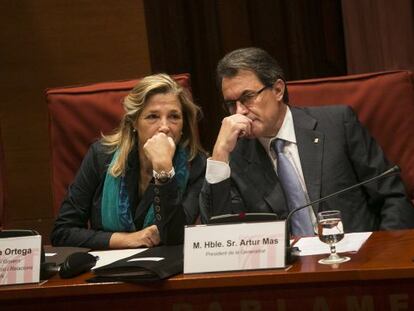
(217, 171)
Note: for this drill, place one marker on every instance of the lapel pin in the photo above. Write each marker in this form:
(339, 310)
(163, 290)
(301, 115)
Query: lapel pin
(316, 140)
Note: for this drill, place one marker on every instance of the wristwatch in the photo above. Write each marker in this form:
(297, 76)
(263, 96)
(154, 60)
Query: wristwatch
(162, 176)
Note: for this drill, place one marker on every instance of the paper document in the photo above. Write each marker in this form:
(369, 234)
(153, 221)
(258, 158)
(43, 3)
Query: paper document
(108, 257)
(352, 242)
(147, 259)
(50, 254)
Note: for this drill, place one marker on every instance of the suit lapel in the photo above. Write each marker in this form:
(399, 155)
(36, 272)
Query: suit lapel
(260, 171)
(131, 179)
(310, 146)
(138, 205)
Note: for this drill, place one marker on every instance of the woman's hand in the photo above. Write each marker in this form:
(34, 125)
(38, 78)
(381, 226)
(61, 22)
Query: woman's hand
(147, 237)
(160, 149)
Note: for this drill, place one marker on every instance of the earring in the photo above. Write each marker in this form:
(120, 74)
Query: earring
(134, 130)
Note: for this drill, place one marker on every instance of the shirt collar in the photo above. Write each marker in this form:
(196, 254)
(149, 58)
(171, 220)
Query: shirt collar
(286, 131)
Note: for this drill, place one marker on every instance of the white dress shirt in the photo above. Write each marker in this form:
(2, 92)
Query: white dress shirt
(217, 171)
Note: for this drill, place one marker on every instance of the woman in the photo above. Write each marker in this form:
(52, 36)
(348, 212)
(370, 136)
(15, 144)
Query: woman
(139, 186)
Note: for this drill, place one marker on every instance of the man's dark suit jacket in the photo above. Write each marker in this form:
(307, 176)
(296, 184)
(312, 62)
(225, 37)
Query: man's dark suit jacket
(336, 152)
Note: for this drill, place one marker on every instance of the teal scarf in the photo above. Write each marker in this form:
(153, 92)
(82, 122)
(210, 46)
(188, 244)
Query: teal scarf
(115, 209)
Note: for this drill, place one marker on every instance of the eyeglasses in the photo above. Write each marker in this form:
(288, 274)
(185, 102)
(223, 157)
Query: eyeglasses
(246, 99)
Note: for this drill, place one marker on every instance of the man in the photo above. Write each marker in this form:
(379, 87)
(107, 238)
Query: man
(272, 157)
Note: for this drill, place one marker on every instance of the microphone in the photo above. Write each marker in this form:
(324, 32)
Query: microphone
(289, 258)
(77, 263)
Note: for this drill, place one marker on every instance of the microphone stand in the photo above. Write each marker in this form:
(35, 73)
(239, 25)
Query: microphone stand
(289, 257)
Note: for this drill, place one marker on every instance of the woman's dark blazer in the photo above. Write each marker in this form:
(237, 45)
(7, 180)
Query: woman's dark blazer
(79, 221)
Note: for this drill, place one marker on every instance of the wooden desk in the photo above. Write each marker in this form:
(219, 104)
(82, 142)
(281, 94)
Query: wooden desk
(379, 277)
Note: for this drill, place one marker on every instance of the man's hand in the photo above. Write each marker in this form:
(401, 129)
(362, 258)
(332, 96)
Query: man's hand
(232, 127)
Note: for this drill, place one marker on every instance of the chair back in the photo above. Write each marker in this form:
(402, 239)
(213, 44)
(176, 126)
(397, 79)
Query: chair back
(384, 102)
(77, 117)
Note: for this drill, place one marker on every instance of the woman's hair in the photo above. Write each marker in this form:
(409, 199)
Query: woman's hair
(124, 137)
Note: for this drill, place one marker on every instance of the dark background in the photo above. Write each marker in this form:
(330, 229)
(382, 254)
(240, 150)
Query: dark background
(49, 43)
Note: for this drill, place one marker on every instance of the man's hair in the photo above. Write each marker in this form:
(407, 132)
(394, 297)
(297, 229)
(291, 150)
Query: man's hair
(264, 66)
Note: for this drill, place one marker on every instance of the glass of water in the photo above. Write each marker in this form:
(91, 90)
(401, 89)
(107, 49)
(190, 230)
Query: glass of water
(331, 231)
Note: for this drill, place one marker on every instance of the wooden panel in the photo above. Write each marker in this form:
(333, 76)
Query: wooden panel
(2, 183)
(48, 43)
(379, 35)
(380, 276)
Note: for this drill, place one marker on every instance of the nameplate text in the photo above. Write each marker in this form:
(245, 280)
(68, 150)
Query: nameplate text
(234, 247)
(20, 260)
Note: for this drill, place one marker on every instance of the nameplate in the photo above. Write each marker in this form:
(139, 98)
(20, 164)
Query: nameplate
(234, 247)
(20, 260)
